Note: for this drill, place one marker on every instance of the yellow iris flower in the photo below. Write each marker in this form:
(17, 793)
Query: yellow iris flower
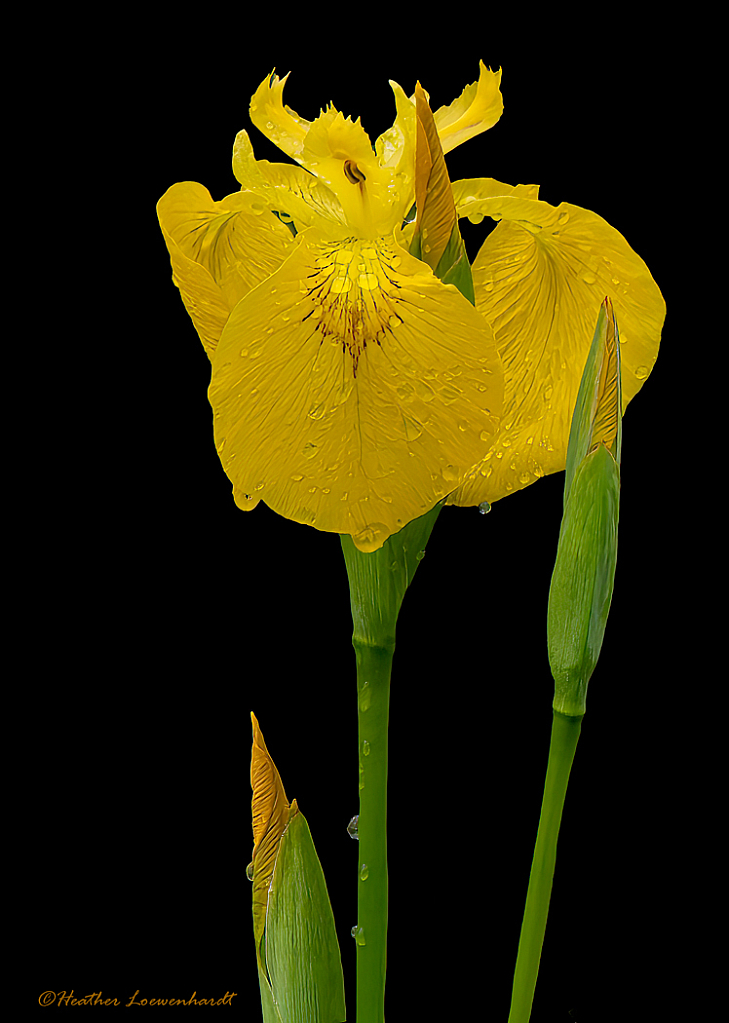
(351, 389)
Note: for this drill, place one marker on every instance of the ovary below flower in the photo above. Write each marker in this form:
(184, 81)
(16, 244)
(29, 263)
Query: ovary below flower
(351, 389)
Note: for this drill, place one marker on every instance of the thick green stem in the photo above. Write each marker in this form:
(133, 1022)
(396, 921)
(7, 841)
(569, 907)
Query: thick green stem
(562, 746)
(374, 664)
(377, 583)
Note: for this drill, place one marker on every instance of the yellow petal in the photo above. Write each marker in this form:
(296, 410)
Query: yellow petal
(469, 193)
(203, 299)
(339, 152)
(278, 123)
(353, 390)
(479, 107)
(396, 146)
(270, 811)
(540, 279)
(287, 188)
(220, 250)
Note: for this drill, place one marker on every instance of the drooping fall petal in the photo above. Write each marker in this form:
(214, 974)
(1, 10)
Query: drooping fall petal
(218, 250)
(540, 279)
(353, 390)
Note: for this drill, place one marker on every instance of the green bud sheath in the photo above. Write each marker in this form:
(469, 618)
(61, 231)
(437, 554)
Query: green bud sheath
(582, 581)
(584, 571)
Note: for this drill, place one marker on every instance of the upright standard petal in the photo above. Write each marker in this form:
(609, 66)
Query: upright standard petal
(373, 192)
(353, 390)
(279, 123)
(540, 279)
(218, 250)
(478, 108)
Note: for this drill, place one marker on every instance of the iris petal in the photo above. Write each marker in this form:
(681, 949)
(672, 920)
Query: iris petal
(353, 390)
(540, 279)
(201, 296)
(478, 108)
(287, 188)
(219, 250)
(279, 123)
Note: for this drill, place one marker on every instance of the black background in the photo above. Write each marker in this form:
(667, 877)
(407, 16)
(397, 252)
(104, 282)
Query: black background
(166, 614)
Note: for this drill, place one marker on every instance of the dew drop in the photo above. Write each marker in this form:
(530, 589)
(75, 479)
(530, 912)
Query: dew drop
(484, 508)
(642, 372)
(365, 697)
(353, 828)
(249, 871)
(412, 429)
(316, 411)
(364, 872)
(371, 537)
(365, 748)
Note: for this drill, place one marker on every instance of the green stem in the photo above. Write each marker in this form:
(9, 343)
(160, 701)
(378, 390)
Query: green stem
(374, 664)
(377, 584)
(562, 746)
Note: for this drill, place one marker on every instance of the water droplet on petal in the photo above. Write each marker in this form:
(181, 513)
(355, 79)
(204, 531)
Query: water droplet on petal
(249, 871)
(484, 508)
(371, 537)
(642, 372)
